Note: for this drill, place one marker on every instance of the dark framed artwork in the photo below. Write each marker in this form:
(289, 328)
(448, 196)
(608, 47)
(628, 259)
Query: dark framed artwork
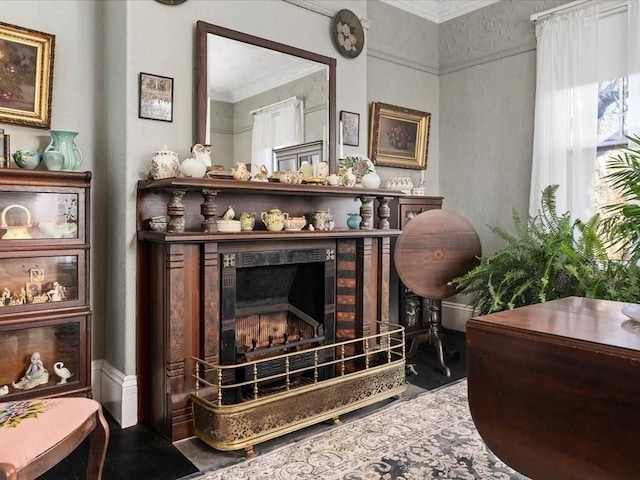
(399, 136)
(26, 76)
(156, 97)
(350, 128)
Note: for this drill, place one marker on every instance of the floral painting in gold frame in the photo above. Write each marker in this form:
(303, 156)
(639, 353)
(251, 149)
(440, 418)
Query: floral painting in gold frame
(26, 76)
(399, 137)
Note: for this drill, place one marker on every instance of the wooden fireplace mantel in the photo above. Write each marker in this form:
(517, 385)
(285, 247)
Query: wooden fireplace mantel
(182, 274)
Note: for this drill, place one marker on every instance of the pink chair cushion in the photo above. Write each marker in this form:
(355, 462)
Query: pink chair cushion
(30, 427)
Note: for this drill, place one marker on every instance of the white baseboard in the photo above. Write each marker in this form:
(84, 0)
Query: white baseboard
(117, 392)
(455, 315)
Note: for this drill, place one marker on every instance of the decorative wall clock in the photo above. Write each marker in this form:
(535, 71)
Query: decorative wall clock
(347, 33)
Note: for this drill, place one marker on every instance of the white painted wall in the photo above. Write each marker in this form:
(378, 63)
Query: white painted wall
(102, 46)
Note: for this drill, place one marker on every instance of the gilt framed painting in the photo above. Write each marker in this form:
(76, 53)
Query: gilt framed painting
(26, 76)
(399, 137)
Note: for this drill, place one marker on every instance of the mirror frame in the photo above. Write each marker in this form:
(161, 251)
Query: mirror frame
(203, 29)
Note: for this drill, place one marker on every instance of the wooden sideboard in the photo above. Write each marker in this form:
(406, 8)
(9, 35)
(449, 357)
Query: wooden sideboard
(554, 388)
(183, 274)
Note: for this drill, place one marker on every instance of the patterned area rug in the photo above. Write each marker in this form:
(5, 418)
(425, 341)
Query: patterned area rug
(429, 436)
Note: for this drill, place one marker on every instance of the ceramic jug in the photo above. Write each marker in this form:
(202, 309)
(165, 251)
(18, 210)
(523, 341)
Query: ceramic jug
(262, 175)
(164, 164)
(247, 221)
(240, 171)
(202, 153)
(64, 142)
(274, 219)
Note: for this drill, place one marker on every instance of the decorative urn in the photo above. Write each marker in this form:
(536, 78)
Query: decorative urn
(164, 164)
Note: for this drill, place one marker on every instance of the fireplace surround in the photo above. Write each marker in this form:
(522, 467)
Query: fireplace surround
(237, 322)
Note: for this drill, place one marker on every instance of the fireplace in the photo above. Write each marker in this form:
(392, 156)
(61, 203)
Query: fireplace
(275, 302)
(245, 336)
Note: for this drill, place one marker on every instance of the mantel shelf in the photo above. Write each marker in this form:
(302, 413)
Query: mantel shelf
(266, 187)
(257, 235)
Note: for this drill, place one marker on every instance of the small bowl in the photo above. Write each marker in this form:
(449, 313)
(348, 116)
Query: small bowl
(228, 225)
(28, 160)
(158, 224)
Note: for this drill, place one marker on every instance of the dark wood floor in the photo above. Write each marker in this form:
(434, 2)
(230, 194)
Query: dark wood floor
(141, 453)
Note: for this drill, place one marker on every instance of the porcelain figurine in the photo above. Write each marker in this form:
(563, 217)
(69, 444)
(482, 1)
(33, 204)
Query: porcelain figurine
(274, 219)
(229, 213)
(61, 371)
(35, 375)
(4, 390)
(164, 164)
(240, 171)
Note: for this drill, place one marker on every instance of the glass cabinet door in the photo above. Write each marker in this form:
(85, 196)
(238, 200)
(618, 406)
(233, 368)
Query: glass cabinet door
(43, 356)
(57, 279)
(50, 215)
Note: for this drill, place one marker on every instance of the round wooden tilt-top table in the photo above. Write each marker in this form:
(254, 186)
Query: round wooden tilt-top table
(435, 247)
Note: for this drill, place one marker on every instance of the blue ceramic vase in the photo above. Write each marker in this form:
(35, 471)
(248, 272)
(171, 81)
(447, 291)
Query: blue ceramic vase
(353, 222)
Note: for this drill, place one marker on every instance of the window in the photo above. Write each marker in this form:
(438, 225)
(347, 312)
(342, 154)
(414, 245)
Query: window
(612, 128)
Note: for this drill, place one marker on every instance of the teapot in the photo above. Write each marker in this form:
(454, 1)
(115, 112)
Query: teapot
(247, 221)
(290, 177)
(274, 219)
(240, 171)
(164, 164)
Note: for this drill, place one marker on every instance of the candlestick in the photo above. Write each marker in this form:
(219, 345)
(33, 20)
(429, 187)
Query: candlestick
(341, 141)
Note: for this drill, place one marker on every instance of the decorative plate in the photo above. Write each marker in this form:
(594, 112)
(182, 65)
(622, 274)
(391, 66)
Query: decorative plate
(171, 2)
(347, 33)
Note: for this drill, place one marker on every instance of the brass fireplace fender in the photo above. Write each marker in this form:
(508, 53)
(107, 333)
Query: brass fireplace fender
(378, 374)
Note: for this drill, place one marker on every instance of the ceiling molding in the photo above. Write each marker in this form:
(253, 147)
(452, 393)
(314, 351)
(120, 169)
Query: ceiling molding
(439, 11)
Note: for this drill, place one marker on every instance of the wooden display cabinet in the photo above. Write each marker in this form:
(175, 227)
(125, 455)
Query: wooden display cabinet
(291, 158)
(405, 306)
(44, 283)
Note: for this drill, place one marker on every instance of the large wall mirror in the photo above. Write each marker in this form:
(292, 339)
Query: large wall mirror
(255, 95)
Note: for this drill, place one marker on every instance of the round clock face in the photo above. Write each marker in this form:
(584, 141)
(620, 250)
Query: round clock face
(347, 33)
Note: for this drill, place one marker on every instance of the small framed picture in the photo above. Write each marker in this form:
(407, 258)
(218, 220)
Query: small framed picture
(33, 289)
(156, 97)
(350, 128)
(36, 275)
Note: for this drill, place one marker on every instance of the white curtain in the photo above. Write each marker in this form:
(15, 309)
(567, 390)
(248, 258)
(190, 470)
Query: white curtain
(280, 125)
(565, 127)
(262, 139)
(633, 65)
(576, 50)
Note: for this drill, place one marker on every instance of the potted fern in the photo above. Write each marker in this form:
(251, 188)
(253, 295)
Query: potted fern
(552, 256)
